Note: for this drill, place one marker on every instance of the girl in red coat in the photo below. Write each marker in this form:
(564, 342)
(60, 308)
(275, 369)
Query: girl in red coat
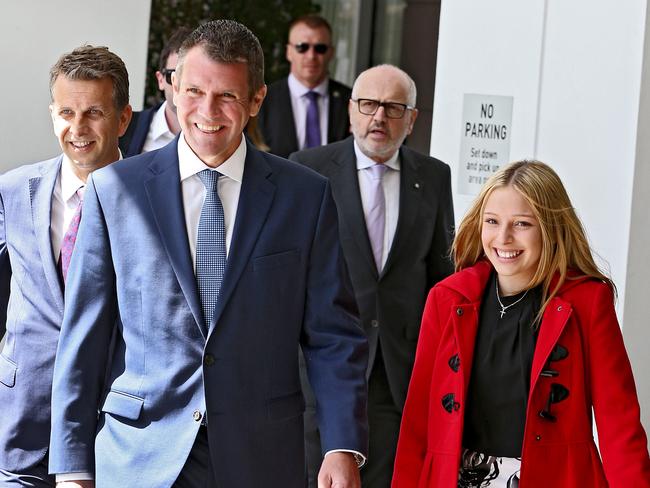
(516, 351)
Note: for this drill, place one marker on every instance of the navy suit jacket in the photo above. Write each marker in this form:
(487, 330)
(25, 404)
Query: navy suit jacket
(391, 302)
(31, 310)
(285, 285)
(132, 142)
(277, 124)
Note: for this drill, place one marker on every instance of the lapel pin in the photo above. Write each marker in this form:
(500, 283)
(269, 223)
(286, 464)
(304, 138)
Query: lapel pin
(416, 186)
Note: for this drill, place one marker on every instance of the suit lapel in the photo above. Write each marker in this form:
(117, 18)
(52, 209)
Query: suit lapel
(410, 200)
(345, 188)
(164, 192)
(40, 195)
(255, 201)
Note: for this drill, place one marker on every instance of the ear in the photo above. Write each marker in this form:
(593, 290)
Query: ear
(161, 80)
(125, 119)
(256, 101)
(176, 86)
(287, 52)
(413, 115)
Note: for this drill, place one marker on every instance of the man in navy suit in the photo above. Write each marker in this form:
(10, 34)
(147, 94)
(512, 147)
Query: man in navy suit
(39, 205)
(156, 127)
(206, 293)
(284, 116)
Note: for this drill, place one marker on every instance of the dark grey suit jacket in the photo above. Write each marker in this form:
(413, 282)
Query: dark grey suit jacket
(391, 302)
(277, 124)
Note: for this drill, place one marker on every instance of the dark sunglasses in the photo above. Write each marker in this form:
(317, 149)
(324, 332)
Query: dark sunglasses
(303, 47)
(167, 73)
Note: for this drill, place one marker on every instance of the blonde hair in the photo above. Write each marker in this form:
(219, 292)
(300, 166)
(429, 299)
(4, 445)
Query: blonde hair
(564, 242)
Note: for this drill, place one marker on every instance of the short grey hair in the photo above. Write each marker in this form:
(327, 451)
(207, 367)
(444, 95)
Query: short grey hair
(94, 63)
(227, 41)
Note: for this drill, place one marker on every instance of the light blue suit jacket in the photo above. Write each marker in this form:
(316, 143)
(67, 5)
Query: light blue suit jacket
(285, 285)
(31, 311)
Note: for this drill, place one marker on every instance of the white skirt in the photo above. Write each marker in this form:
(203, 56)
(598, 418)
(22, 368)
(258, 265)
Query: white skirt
(479, 470)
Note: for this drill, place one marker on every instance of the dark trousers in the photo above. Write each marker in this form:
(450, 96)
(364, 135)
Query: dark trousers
(198, 471)
(34, 477)
(383, 420)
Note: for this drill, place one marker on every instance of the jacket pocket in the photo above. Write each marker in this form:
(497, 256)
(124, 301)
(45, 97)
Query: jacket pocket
(286, 407)
(7, 372)
(123, 404)
(276, 260)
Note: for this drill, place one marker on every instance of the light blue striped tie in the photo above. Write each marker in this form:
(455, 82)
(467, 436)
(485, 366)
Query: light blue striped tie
(210, 246)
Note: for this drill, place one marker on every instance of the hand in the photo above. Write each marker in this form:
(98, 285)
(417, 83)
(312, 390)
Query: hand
(76, 484)
(339, 470)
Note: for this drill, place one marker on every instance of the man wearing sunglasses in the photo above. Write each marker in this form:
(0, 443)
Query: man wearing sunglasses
(156, 127)
(307, 108)
(395, 224)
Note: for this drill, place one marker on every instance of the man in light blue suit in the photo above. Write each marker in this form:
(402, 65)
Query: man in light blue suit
(39, 204)
(208, 291)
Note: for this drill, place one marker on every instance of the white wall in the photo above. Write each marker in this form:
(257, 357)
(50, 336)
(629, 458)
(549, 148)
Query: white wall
(34, 33)
(575, 72)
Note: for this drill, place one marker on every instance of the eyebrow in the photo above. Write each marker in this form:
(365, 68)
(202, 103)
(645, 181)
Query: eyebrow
(515, 215)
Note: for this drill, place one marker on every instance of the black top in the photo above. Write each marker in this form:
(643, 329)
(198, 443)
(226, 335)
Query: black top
(495, 413)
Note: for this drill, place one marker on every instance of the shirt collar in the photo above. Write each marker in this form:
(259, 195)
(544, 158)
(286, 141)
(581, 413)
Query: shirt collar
(299, 90)
(189, 163)
(70, 182)
(364, 161)
(159, 126)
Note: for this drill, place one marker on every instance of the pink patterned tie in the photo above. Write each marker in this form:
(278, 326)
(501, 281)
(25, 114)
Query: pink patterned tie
(70, 237)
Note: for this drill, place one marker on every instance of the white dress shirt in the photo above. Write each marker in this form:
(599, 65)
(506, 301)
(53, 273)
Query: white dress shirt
(390, 183)
(64, 204)
(300, 103)
(159, 134)
(193, 189)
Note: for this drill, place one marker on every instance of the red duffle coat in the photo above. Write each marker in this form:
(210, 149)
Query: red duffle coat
(559, 454)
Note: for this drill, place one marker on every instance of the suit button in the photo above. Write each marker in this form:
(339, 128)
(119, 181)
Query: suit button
(459, 311)
(538, 437)
(374, 323)
(197, 415)
(208, 360)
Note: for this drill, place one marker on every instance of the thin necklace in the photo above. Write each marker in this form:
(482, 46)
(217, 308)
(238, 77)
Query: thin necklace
(506, 307)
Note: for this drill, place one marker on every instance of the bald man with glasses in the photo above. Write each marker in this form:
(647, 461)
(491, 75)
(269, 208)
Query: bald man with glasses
(395, 225)
(306, 109)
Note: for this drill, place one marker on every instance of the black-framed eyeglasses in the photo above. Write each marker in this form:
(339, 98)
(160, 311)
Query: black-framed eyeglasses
(167, 73)
(393, 110)
(303, 47)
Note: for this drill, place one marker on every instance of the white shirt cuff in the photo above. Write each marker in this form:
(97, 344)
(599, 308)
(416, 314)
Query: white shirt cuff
(358, 457)
(81, 476)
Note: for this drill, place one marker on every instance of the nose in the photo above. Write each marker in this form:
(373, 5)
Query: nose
(380, 114)
(78, 125)
(505, 234)
(210, 107)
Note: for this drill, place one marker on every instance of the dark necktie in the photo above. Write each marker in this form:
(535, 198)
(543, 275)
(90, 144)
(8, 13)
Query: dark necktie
(376, 219)
(313, 121)
(210, 246)
(70, 237)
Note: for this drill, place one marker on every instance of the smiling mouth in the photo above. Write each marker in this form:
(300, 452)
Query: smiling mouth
(80, 144)
(502, 253)
(209, 129)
